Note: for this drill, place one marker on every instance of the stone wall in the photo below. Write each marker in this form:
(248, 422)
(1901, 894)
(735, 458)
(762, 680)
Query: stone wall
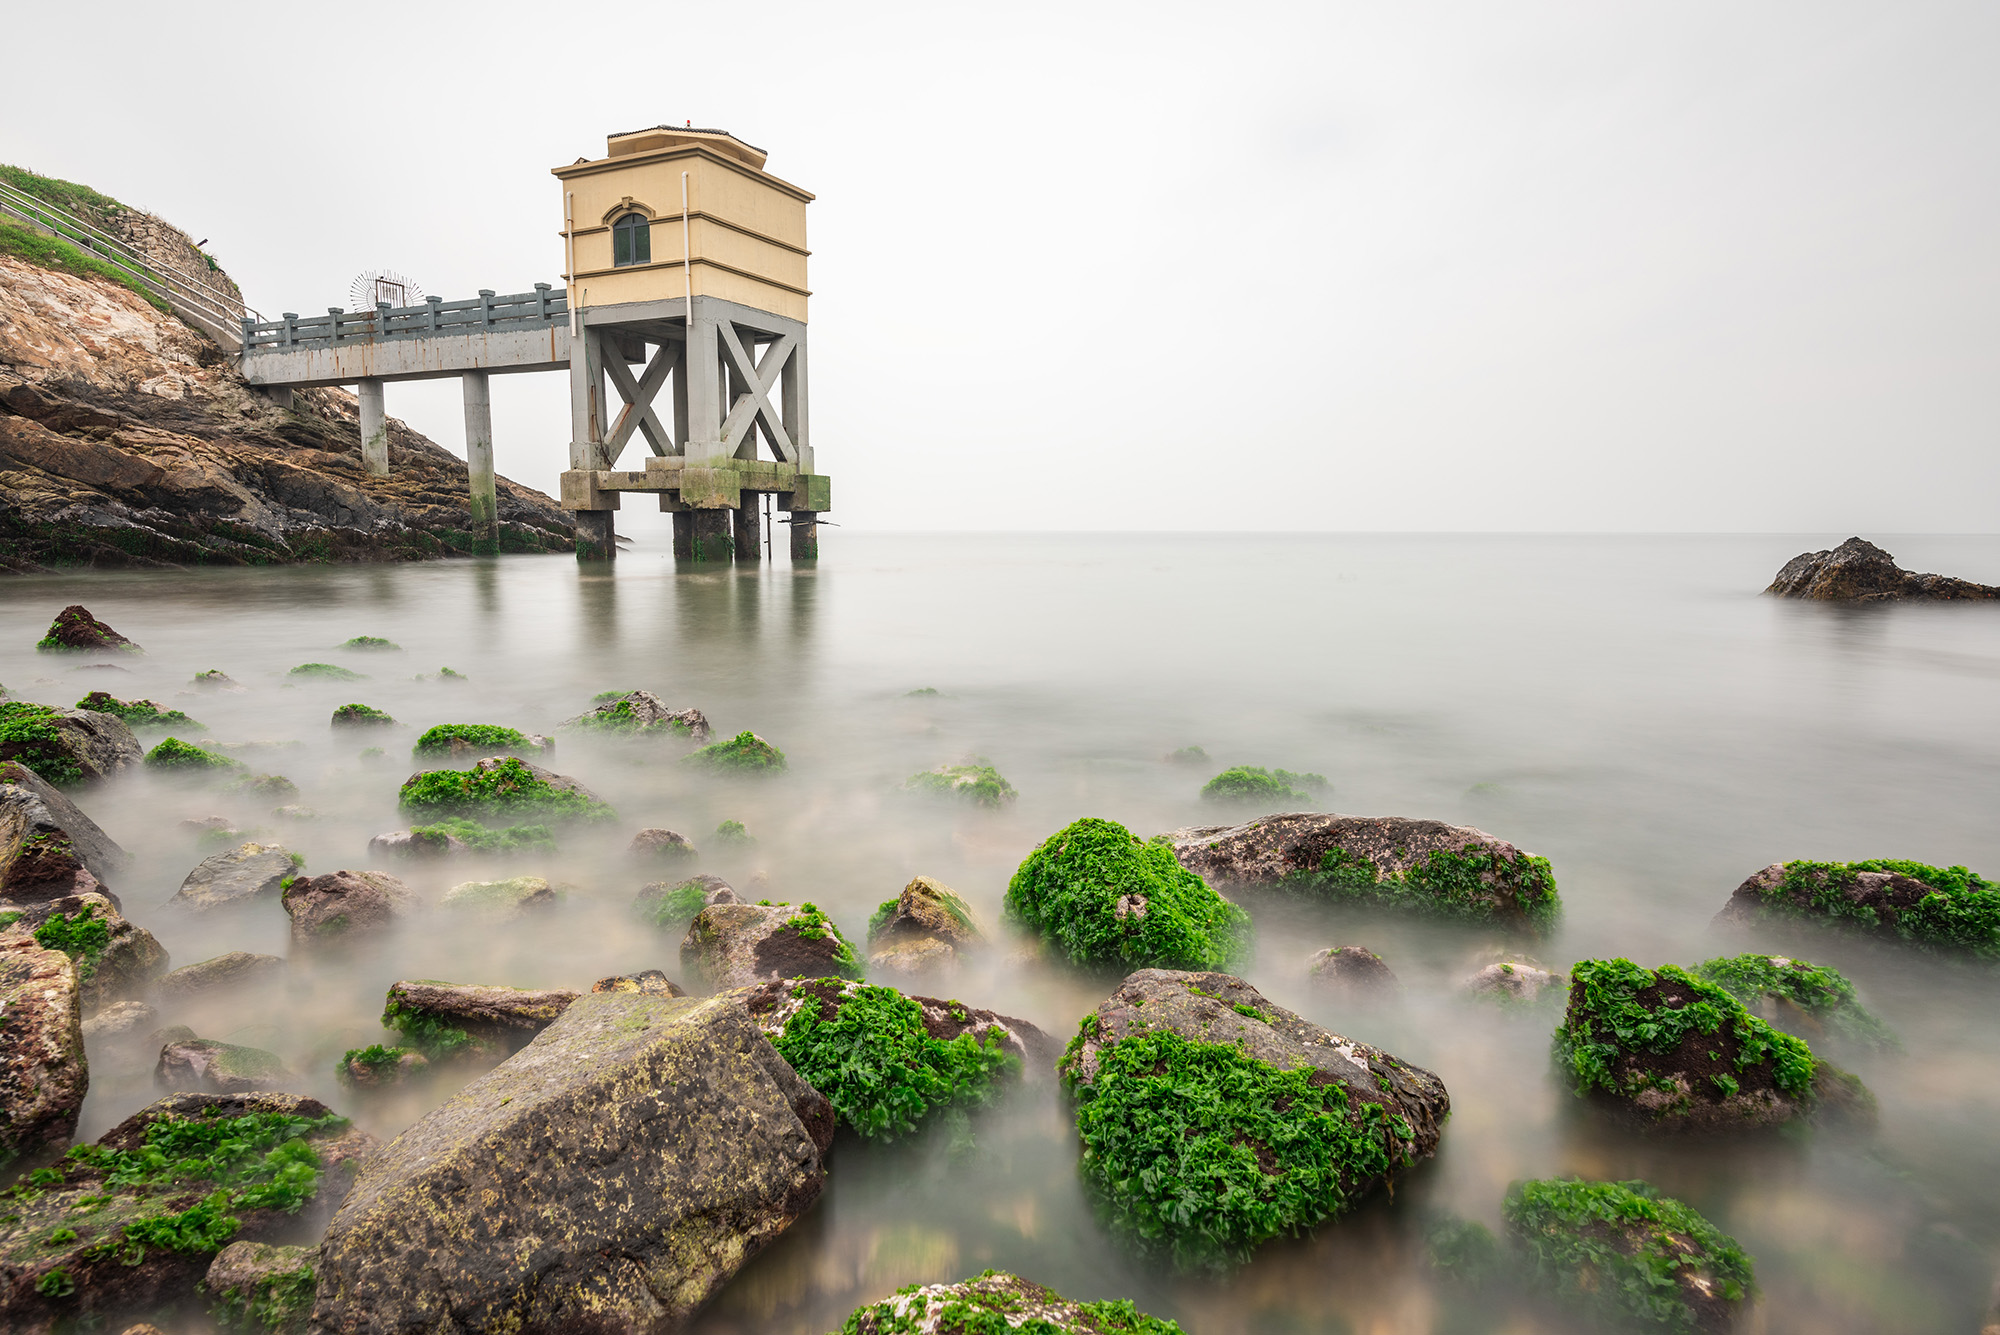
(170, 250)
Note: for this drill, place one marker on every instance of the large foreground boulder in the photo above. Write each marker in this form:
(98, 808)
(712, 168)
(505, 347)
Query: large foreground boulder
(735, 945)
(1858, 571)
(346, 905)
(115, 960)
(67, 747)
(78, 1251)
(997, 1301)
(609, 1177)
(1425, 866)
(48, 848)
(238, 875)
(1663, 1050)
(1193, 1087)
(43, 1075)
(887, 1061)
(1945, 909)
(470, 1020)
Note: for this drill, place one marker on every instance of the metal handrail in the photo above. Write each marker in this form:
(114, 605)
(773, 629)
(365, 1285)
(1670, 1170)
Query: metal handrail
(213, 302)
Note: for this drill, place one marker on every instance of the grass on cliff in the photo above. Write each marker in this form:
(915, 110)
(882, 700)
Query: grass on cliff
(50, 252)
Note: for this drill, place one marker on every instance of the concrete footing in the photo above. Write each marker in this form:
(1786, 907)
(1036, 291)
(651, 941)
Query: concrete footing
(374, 428)
(748, 526)
(596, 539)
(805, 535)
(485, 502)
(711, 538)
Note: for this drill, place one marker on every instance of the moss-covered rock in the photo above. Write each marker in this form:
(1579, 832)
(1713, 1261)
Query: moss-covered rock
(923, 931)
(975, 782)
(325, 672)
(130, 1224)
(1100, 895)
(76, 631)
(48, 848)
(1624, 1254)
(66, 747)
(1665, 1050)
(216, 681)
(1352, 971)
(371, 644)
(736, 945)
(1946, 909)
(138, 713)
(469, 1021)
(461, 741)
(1192, 1087)
(378, 1067)
(647, 982)
(745, 753)
(229, 970)
(181, 757)
(207, 1066)
(345, 905)
(886, 1061)
(502, 791)
(995, 1302)
(1515, 981)
(1423, 866)
(115, 959)
(1255, 785)
(610, 1176)
(639, 713)
(241, 875)
(1798, 997)
(43, 1074)
(661, 845)
(502, 901)
(263, 1287)
(361, 716)
(672, 905)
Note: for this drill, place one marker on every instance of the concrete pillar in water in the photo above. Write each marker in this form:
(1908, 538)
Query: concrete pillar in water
(749, 528)
(805, 535)
(684, 535)
(485, 502)
(711, 536)
(596, 539)
(374, 428)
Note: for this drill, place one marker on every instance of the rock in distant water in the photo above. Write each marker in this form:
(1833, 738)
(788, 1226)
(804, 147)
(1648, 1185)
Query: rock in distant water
(1858, 571)
(735, 945)
(1945, 909)
(204, 1066)
(43, 1075)
(75, 630)
(1356, 970)
(642, 712)
(1423, 866)
(343, 905)
(658, 845)
(995, 1300)
(48, 848)
(234, 969)
(502, 901)
(609, 1177)
(1514, 980)
(235, 876)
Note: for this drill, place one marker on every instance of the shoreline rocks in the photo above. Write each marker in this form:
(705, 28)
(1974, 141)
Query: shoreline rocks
(235, 968)
(249, 871)
(1858, 571)
(1354, 971)
(76, 631)
(997, 1300)
(923, 931)
(207, 1066)
(346, 905)
(737, 945)
(642, 712)
(43, 1073)
(116, 960)
(67, 747)
(1424, 866)
(48, 848)
(471, 1020)
(1947, 909)
(673, 905)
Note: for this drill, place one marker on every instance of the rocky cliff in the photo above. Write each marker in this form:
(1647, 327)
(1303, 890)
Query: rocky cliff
(126, 438)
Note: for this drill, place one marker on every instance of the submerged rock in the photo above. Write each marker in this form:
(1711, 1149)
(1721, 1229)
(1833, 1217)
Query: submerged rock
(238, 875)
(610, 1176)
(1663, 1050)
(659, 845)
(431, 843)
(470, 1020)
(886, 1061)
(377, 1067)
(1945, 909)
(502, 901)
(1798, 997)
(1425, 866)
(205, 1066)
(1356, 970)
(672, 905)
(642, 712)
(1100, 895)
(1515, 980)
(75, 630)
(997, 1300)
(463, 741)
(237, 968)
(735, 945)
(123, 1024)
(48, 848)
(975, 782)
(78, 1250)
(115, 959)
(43, 1074)
(275, 1282)
(1194, 1085)
(215, 680)
(1623, 1253)
(345, 905)
(501, 790)
(66, 747)
(1858, 571)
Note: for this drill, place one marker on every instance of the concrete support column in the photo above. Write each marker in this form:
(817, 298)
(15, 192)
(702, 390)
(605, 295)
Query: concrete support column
(711, 536)
(805, 535)
(684, 535)
(485, 502)
(279, 395)
(749, 527)
(596, 540)
(374, 428)
(586, 400)
(702, 369)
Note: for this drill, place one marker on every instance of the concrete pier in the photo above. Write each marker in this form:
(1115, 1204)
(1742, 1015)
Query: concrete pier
(805, 535)
(374, 428)
(712, 541)
(596, 539)
(485, 501)
(749, 528)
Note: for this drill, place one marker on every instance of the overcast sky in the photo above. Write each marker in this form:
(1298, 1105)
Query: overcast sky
(1570, 266)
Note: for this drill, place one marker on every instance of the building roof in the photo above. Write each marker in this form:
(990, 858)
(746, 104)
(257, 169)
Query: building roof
(666, 136)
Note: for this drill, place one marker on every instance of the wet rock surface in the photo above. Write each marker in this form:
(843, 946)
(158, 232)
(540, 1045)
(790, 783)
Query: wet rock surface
(207, 1066)
(48, 848)
(43, 1074)
(610, 1176)
(75, 630)
(1515, 980)
(237, 875)
(673, 904)
(658, 845)
(499, 1020)
(81, 743)
(642, 711)
(1353, 970)
(651, 982)
(502, 901)
(345, 905)
(410, 844)
(236, 968)
(115, 960)
(736, 945)
(773, 1004)
(1858, 571)
(926, 932)
(992, 1301)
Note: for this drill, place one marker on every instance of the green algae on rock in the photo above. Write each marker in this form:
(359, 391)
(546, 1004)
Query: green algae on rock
(175, 754)
(1419, 866)
(745, 753)
(76, 631)
(612, 1175)
(262, 1286)
(43, 1073)
(993, 1303)
(671, 906)
(885, 1061)
(483, 739)
(376, 1066)
(326, 672)
(1623, 1253)
(114, 959)
(634, 713)
(1103, 896)
(1666, 1050)
(362, 716)
(737, 944)
(138, 713)
(1213, 1120)
(502, 790)
(976, 782)
(48, 847)
(371, 644)
(469, 1020)
(502, 901)
(1946, 909)
(733, 833)
(66, 747)
(438, 837)
(208, 1065)
(1252, 783)
(1794, 994)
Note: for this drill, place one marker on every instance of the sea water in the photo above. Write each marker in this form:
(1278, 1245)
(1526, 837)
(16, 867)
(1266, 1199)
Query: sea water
(1627, 707)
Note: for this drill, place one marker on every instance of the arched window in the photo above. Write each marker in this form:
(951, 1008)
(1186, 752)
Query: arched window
(631, 240)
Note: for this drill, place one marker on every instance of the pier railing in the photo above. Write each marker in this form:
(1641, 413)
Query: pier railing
(542, 308)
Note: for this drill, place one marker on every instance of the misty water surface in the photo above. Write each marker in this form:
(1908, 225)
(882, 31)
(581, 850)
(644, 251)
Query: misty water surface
(1626, 707)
